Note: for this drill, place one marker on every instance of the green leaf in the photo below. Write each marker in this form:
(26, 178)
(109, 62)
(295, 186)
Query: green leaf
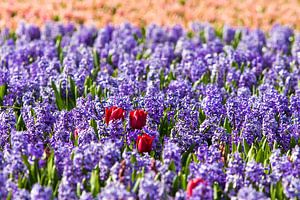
(233, 147)
(187, 164)
(202, 116)
(9, 196)
(3, 90)
(176, 184)
(162, 79)
(205, 78)
(96, 59)
(217, 191)
(115, 73)
(240, 147)
(78, 189)
(260, 156)
(185, 155)
(136, 185)
(251, 153)
(279, 190)
(58, 98)
(93, 124)
(20, 125)
(183, 181)
(236, 40)
(190, 34)
(273, 192)
(59, 49)
(202, 36)
(172, 166)
(227, 125)
(73, 88)
(246, 146)
(95, 184)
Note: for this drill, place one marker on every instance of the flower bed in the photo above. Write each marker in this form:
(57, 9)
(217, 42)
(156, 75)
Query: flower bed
(250, 13)
(149, 113)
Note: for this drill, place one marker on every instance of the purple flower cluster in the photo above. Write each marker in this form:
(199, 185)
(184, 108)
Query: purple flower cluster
(218, 112)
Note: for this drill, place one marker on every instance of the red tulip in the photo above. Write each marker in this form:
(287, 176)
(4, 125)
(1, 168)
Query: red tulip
(192, 184)
(138, 119)
(144, 143)
(114, 113)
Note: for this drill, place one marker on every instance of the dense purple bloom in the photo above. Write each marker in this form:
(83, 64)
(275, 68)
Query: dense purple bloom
(86, 136)
(254, 173)
(21, 194)
(228, 34)
(171, 153)
(291, 186)
(3, 190)
(250, 193)
(253, 41)
(207, 100)
(202, 191)
(110, 155)
(180, 195)
(154, 103)
(213, 102)
(235, 173)
(115, 191)
(66, 190)
(7, 120)
(122, 172)
(150, 188)
(280, 38)
(296, 48)
(86, 196)
(280, 165)
(40, 192)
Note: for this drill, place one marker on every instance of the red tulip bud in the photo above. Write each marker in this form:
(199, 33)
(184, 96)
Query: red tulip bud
(138, 119)
(76, 131)
(144, 143)
(192, 184)
(114, 113)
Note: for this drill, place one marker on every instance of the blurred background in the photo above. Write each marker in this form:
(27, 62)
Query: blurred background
(250, 13)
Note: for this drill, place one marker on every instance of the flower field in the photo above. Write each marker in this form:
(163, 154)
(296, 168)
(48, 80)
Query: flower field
(154, 112)
(249, 13)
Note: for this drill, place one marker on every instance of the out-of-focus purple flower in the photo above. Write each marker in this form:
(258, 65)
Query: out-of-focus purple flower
(41, 193)
(115, 191)
(254, 172)
(7, 121)
(253, 41)
(296, 48)
(295, 158)
(86, 196)
(213, 102)
(14, 165)
(21, 194)
(29, 32)
(280, 38)
(66, 190)
(235, 173)
(171, 153)
(86, 136)
(249, 193)
(180, 195)
(228, 34)
(150, 188)
(122, 172)
(280, 165)
(109, 157)
(291, 187)
(3, 189)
